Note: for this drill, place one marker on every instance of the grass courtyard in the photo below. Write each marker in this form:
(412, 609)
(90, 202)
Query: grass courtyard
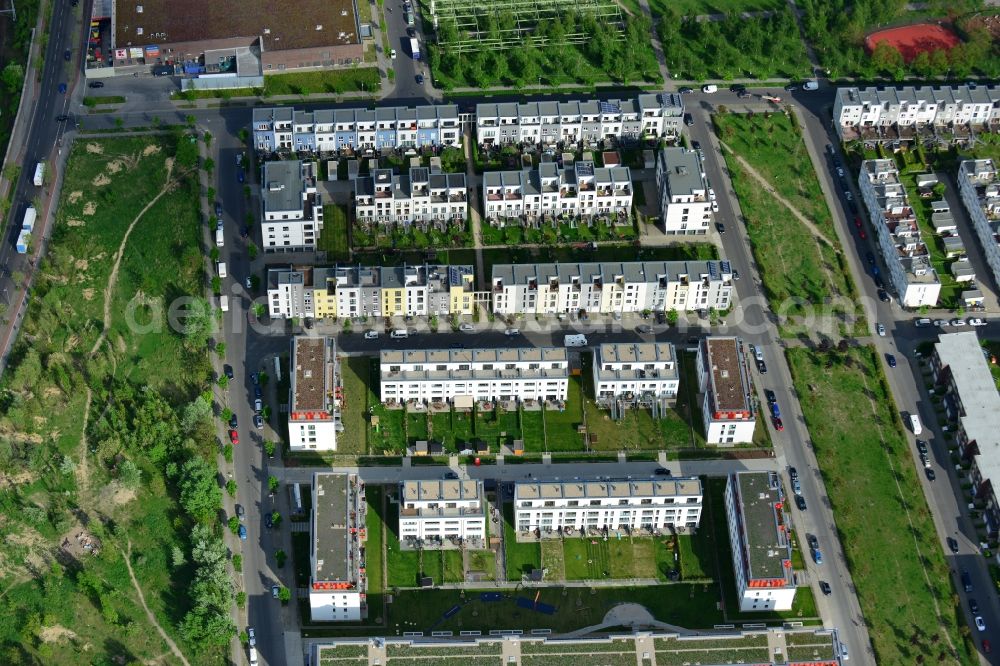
(801, 275)
(901, 577)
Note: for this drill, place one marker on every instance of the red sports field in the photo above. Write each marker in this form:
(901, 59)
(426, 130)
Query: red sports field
(912, 39)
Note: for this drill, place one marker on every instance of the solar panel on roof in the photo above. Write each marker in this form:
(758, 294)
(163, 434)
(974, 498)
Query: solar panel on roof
(454, 276)
(713, 270)
(726, 268)
(608, 107)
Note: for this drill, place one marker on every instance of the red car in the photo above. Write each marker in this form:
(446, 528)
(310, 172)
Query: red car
(234, 437)
(857, 221)
(778, 425)
(986, 647)
(861, 232)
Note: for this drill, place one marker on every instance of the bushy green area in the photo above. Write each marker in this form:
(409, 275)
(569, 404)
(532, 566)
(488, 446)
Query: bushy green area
(515, 234)
(13, 64)
(735, 48)
(403, 237)
(607, 56)
(144, 486)
(358, 79)
(910, 607)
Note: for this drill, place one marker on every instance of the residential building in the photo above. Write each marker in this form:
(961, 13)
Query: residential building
(906, 256)
(422, 196)
(291, 208)
(761, 545)
(979, 186)
(337, 580)
(648, 116)
(577, 190)
(315, 395)
(685, 207)
(971, 400)
(727, 406)
(464, 376)
(899, 113)
(370, 291)
(611, 287)
(278, 129)
(231, 38)
(590, 507)
(432, 511)
(636, 373)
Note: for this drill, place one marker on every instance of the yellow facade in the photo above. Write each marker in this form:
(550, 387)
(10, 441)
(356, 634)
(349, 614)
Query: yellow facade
(462, 301)
(393, 302)
(325, 303)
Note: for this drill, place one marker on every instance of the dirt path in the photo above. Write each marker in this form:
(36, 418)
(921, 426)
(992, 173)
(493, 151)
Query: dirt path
(83, 471)
(113, 278)
(149, 614)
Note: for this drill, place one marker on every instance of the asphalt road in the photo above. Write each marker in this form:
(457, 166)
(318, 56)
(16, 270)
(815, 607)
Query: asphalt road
(407, 90)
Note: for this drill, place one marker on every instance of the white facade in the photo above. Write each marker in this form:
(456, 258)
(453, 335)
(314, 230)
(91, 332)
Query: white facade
(611, 287)
(759, 536)
(291, 208)
(420, 196)
(724, 384)
(883, 107)
(906, 256)
(580, 190)
(685, 207)
(449, 509)
(314, 396)
(636, 371)
(337, 585)
(648, 116)
(468, 375)
(591, 506)
(979, 185)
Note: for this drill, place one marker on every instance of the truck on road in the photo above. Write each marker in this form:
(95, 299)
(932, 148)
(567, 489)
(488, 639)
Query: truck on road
(23, 239)
(415, 48)
(39, 174)
(30, 215)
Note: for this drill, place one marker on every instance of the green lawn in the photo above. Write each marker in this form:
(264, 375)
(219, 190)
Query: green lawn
(388, 435)
(334, 238)
(951, 290)
(697, 555)
(533, 431)
(521, 557)
(699, 7)
(374, 549)
(403, 565)
(490, 424)
(596, 559)
(553, 560)
(801, 275)
(355, 371)
(362, 79)
(901, 575)
(561, 426)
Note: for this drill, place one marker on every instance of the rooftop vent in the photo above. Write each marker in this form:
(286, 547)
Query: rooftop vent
(138, 9)
(319, 26)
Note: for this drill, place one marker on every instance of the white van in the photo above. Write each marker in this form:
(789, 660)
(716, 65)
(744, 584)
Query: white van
(220, 239)
(575, 341)
(810, 85)
(253, 656)
(222, 269)
(710, 88)
(399, 334)
(224, 303)
(915, 424)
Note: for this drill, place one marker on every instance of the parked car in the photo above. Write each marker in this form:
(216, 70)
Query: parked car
(420, 79)
(791, 87)
(241, 512)
(511, 332)
(922, 446)
(870, 258)
(696, 145)
(257, 393)
(796, 486)
(67, 54)
(685, 90)
(974, 606)
(987, 648)
(258, 405)
(688, 119)
(227, 370)
(61, 118)
(96, 84)
(451, 475)
(942, 322)
(817, 555)
(468, 328)
(976, 321)
(824, 587)
(958, 322)
(778, 425)
(891, 360)
(234, 436)
(218, 209)
(736, 87)
(800, 502)
(771, 399)
(775, 412)
(762, 367)
(275, 590)
(371, 335)
(392, 53)
(662, 471)
(233, 423)
(953, 547)
(258, 421)
(268, 521)
(62, 88)
(241, 175)
(743, 94)
(929, 473)
(980, 623)
(883, 296)
(793, 473)
(720, 227)
(644, 329)
(880, 329)
(254, 378)
(251, 637)
(243, 532)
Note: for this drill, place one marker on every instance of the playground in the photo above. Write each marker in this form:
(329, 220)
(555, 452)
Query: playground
(910, 40)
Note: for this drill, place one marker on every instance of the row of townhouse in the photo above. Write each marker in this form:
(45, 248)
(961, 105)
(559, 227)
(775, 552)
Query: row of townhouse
(423, 195)
(349, 291)
(577, 190)
(582, 507)
(685, 207)
(433, 511)
(906, 255)
(858, 109)
(611, 287)
(329, 130)
(648, 116)
(635, 373)
(291, 208)
(979, 186)
(971, 400)
(463, 377)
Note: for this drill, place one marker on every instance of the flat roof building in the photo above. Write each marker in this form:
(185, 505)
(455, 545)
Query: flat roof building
(759, 536)
(337, 580)
(636, 373)
(979, 186)
(291, 208)
(685, 207)
(434, 511)
(314, 396)
(724, 382)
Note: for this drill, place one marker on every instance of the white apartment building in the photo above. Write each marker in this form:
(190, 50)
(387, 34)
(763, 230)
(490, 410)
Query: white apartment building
(906, 256)
(979, 186)
(370, 291)
(685, 207)
(580, 190)
(587, 507)
(724, 383)
(635, 373)
(463, 376)
(611, 287)
(858, 112)
(291, 208)
(759, 536)
(435, 510)
(648, 116)
(356, 130)
(337, 582)
(423, 196)
(314, 397)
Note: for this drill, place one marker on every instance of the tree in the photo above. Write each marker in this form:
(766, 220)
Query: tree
(886, 57)
(210, 195)
(208, 165)
(129, 474)
(12, 78)
(237, 562)
(672, 317)
(284, 595)
(263, 378)
(220, 348)
(272, 484)
(231, 488)
(269, 448)
(199, 491)
(197, 415)
(252, 251)
(197, 323)
(223, 382)
(234, 524)
(280, 557)
(227, 452)
(275, 518)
